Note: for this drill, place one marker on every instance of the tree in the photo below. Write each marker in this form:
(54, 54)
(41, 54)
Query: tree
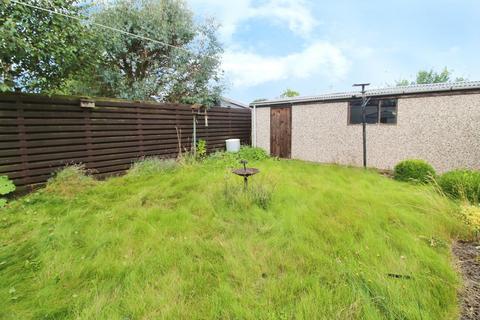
(426, 77)
(135, 68)
(40, 50)
(289, 93)
(404, 82)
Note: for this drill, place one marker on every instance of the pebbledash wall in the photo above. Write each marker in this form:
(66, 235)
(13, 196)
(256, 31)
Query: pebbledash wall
(440, 127)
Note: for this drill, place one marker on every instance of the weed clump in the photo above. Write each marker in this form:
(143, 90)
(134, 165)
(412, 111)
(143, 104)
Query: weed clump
(201, 148)
(252, 154)
(231, 159)
(471, 215)
(70, 181)
(238, 197)
(151, 166)
(6, 187)
(461, 184)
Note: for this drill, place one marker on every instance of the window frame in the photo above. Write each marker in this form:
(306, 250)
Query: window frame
(379, 116)
(380, 112)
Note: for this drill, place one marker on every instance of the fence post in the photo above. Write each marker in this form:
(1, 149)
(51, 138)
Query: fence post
(22, 137)
(139, 132)
(178, 131)
(207, 130)
(88, 137)
(230, 124)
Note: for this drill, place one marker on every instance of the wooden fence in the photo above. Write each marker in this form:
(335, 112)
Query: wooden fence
(39, 135)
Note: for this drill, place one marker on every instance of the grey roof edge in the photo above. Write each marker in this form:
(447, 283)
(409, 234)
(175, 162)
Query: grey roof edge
(236, 102)
(403, 90)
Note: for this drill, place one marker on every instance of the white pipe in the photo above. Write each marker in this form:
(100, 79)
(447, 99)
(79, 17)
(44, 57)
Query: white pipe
(254, 126)
(195, 134)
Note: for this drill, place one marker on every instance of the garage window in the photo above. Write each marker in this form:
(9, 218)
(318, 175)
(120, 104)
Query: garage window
(377, 111)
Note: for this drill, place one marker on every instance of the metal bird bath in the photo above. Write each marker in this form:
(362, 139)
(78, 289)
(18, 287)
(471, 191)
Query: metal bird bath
(245, 172)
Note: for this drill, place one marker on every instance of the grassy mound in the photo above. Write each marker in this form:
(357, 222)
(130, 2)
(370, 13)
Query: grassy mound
(311, 241)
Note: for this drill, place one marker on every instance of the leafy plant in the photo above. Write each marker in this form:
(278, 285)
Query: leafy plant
(461, 184)
(231, 159)
(252, 154)
(414, 170)
(201, 148)
(6, 187)
(471, 215)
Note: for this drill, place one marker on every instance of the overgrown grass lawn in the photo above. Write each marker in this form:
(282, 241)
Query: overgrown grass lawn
(308, 242)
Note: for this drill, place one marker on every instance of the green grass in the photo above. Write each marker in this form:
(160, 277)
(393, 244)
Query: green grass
(176, 243)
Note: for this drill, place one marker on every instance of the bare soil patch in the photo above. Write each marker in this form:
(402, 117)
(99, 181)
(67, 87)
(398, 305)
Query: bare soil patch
(468, 255)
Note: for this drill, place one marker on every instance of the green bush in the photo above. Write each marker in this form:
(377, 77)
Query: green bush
(231, 159)
(6, 187)
(471, 216)
(413, 170)
(201, 148)
(252, 154)
(461, 184)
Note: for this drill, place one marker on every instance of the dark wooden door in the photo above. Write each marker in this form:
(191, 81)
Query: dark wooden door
(281, 132)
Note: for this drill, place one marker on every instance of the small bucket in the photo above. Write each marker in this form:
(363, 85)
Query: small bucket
(233, 145)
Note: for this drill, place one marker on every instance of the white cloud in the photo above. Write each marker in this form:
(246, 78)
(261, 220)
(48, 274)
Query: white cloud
(247, 69)
(295, 13)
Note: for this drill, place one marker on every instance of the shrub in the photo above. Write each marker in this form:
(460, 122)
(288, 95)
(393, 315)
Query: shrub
(227, 158)
(461, 184)
(252, 154)
(471, 215)
(70, 181)
(416, 171)
(201, 148)
(6, 187)
(151, 166)
(231, 159)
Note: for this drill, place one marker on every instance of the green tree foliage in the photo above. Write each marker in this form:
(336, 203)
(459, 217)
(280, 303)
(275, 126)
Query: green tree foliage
(40, 50)
(135, 68)
(289, 93)
(426, 77)
(403, 83)
(48, 53)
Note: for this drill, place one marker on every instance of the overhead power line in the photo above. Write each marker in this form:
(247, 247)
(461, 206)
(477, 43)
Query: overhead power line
(100, 25)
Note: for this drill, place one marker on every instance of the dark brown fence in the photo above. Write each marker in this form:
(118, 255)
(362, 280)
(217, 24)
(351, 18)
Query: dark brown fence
(39, 135)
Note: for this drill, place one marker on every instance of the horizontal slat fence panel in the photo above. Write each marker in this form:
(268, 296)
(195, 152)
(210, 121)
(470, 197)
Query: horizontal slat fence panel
(39, 135)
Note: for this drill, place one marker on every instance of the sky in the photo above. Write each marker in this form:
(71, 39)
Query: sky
(316, 47)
